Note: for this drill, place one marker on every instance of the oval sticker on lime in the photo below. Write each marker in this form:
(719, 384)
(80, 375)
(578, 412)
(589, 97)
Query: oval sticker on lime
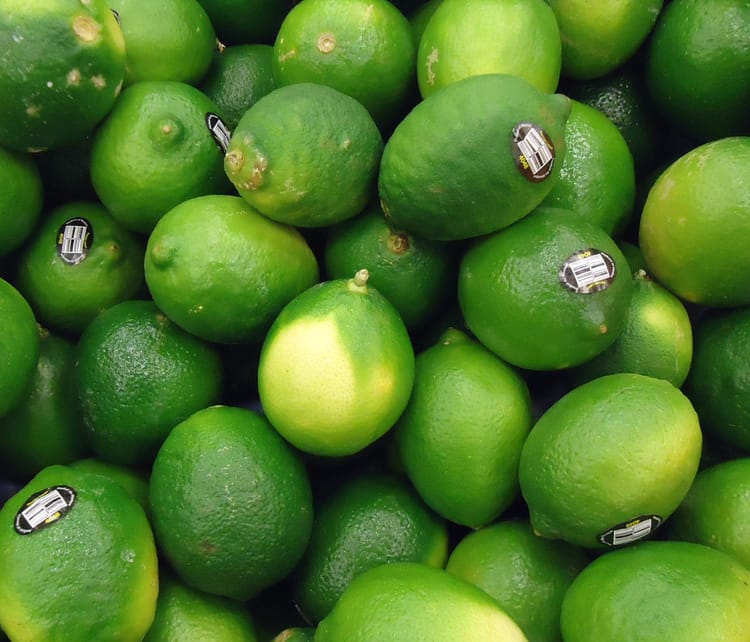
(588, 271)
(74, 240)
(533, 151)
(44, 508)
(630, 531)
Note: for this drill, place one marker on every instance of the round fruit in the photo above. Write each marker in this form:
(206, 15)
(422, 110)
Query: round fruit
(367, 521)
(473, 37)
(697, 212)
(20, 200)
(62, 65)
(505, 142)
(222, 271)
(660, 590)
(406, 601)
(336, 368)
(467, 406)
(138, 375)
(133, 480)
(231, 503)
(306, 155)
(240, 22)
(578, 465)
(78, 560)
(78, 262)
(549, 292)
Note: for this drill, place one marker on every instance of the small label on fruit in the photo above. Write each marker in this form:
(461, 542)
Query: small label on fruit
(44, 508)
(533, 151)
(74, 240)
(219, 131)
(116, 14)
(588, 271)
(630, 531)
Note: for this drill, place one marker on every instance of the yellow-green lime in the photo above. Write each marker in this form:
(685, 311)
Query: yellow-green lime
(239, 77)
(62, 64)
(239, 22)
(296, 634)
(21, 199)
(305, 154)
(599, 38)
(79, 561)
(526, 574)
(716, 511)
(506, 146)
(719, 380)
(363, 48)
(696, 67)
(597, 174)
(370, 519)
(19, 346)
(657, 339)
(168, 40)
(577, 464)
(231, 503)
(45, 427)
(137, 375)
(407, 601)
(186, 615)
(336, 368)
(467, 405)
(659, 591)
(549, 292)
(155, 150)
(222, 271)
(133, 480)
(472, 37)
(695, 225)
(410, 271)
(78, 262)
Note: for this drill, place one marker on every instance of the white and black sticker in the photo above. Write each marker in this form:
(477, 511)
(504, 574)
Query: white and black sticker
(533, 151)
(630, 531)
(116, 14)
(44, 508)
(588, 271)
(219, 131)
(74, 240)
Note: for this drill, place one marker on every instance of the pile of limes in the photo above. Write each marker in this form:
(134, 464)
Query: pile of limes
(374, 321)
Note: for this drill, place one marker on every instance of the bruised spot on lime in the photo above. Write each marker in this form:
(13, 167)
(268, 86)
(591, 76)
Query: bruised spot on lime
(326, 43)
(87, 29)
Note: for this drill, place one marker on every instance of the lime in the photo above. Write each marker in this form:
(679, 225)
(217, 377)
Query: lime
(597, 174)
(527, 575)
(222, 271)
(79, 545)
(231, 503)
(62, 64)
(239, 77)
(306, 155)
(411, 272)
(599, 38)
(165, 40)
(20, 200)
(239, 22)
(659, 591)
(406, 601)
(577, 465)
(137, 375)
(419, 16)
(154, 150)
(370, 519)
(336, 368)
(698, 211)
(506, 142)
(296, 634)
(78, 262)
(549, 292)
(134, 481)
(473, 37)
(719, 379)
(19, 346)
(45, 427)
(467, 406)
(697, 67)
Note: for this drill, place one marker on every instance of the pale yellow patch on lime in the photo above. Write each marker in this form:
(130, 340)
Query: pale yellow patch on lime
(86, 29)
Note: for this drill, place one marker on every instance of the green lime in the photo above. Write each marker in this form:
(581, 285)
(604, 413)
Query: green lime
(336, 368)
(305, 154)
(20, 200)
(577, 465)
(134, 481)
(222, 271)
(239, 22)
(466, 406)
(231, 503)
(506, 146)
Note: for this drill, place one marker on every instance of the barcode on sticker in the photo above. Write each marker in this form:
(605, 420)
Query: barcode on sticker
(535, 151)
(589, 270)
(631, 531)
(74, 239)
(219, 131)
(44, 508)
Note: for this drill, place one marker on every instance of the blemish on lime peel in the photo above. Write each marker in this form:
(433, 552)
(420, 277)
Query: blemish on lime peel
(86, 29)
(431, 60)
(326, 43)
(398, 243)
